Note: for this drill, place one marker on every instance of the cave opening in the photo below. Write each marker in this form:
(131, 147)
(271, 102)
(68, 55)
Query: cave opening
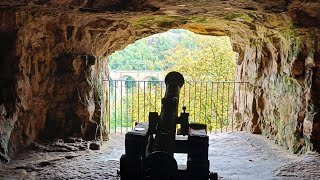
(210, 93)
(206, 62)
(53, 62)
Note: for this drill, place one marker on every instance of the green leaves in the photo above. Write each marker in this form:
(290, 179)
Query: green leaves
(213, 59)
(158, 52)
(201, 59)
(198, 57)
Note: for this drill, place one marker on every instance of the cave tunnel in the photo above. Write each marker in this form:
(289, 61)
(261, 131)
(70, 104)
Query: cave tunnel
(53, 95)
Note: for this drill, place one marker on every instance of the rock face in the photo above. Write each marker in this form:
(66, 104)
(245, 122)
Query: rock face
(52, 64)
(280, 93)
(58, 81)
(8, 63)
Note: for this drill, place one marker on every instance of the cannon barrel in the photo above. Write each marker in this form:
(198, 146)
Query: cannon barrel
(165, 137)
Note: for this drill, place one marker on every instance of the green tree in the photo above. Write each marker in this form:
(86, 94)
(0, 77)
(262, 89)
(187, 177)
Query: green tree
(202, 60)
(214, 60)
(149, 53)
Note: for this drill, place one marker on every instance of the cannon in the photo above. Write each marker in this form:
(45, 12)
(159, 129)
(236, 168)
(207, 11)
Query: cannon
(150, 146)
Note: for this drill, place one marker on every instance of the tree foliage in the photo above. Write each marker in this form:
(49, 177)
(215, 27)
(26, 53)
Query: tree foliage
(213, 60)
(149, 53)
(202, 60)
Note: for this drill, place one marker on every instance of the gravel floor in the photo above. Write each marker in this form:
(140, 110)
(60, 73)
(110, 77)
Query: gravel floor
(234, 155)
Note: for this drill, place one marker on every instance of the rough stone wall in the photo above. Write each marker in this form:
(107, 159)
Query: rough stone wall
(59, 73)
(313, 125)
(8, 62)
(279, 89)
(51, 75)
(57, 90)
(85, 5)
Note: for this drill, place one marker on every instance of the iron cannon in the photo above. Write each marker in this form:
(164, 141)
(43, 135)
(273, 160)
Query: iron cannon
(150, 146)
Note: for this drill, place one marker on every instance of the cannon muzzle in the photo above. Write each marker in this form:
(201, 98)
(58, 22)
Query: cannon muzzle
(174, 78)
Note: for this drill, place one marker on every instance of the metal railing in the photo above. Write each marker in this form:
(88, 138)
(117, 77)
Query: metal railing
(212, 103)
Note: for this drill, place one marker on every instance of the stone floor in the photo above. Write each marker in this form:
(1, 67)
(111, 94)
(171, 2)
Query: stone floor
(234, 155)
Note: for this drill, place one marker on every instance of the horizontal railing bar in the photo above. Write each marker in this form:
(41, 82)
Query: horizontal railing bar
(185, 82)
(137, 71)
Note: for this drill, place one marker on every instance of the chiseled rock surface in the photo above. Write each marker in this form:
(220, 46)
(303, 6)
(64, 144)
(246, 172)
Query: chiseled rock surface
(59, 63)
(8, 108)
(281, 90)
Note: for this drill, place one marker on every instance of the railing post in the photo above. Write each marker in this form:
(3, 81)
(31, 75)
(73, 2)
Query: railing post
(121, 83)
(217, 108)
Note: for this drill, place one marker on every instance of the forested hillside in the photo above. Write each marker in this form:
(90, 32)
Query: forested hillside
(198, 57)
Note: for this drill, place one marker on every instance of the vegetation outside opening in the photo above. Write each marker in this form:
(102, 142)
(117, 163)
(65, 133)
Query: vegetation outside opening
(135, 85)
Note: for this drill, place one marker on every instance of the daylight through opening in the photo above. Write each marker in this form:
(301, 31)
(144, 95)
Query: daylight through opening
(136, 80)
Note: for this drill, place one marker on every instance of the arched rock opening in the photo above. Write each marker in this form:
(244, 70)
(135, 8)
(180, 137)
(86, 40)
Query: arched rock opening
(59, 68)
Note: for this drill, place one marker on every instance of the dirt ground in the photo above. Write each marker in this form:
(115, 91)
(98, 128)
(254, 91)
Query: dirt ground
(233, 155)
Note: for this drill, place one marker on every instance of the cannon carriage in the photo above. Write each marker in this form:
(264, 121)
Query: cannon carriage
(150, 147)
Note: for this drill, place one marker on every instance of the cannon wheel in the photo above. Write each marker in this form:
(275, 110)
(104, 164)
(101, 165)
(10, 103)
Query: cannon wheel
(160, 166)
(213, 176)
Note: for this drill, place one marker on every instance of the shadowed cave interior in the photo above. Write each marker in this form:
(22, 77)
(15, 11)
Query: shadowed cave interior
(54, 103)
